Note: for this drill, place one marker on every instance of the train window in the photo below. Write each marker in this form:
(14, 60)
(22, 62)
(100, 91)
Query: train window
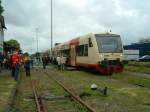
(77, 49)
(86, 50)
(80, 50)
(65, 52)
(109, 44)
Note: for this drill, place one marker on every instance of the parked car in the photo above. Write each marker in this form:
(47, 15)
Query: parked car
(144, 58)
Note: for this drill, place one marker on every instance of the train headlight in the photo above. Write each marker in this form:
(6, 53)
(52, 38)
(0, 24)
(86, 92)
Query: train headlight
(121, 55)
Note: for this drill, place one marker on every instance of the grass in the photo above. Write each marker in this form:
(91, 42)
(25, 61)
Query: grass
(123, 94)
(50, 89)
(132, 79)
(134, 66)
(6, 85)
(124, 91)
(140, 69)
(47, 88)
(136, 63)
(23, 100)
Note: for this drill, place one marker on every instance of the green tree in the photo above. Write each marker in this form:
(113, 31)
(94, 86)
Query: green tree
(1, 8)
(26, 54)
(11, 45)
(36, 55)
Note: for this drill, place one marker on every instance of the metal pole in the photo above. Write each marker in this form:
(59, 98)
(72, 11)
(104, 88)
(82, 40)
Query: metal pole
(51, 26)
(36, 30)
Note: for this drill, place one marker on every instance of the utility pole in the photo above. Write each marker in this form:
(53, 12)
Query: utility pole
(51, 25)
(36, 31)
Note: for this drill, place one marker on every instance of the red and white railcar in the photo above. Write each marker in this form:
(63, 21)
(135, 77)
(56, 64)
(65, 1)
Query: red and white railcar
(102, 52)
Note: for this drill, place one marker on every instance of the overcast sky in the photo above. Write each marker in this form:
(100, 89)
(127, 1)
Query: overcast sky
(72, 18)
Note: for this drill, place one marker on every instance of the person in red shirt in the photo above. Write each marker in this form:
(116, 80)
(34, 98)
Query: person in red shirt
(15, 64)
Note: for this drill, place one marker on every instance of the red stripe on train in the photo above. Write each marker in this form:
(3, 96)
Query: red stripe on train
(74, 41)
(104, 70)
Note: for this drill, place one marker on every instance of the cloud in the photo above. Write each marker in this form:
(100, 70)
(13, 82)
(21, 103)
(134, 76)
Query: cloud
(72, 18)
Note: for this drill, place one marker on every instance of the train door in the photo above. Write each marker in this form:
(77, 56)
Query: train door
(73, 55)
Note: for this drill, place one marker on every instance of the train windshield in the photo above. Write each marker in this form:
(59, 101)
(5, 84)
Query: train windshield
(111, 44)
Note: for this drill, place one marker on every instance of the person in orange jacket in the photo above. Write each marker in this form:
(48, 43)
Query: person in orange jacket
(15, 64)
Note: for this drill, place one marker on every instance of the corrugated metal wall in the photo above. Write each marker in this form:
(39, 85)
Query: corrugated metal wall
(144, 48)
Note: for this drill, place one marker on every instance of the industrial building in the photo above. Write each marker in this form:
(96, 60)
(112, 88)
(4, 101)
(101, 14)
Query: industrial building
(131, 54)
(143, 47)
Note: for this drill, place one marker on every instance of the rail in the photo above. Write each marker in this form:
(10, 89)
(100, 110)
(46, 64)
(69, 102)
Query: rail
(75, 97)
(38, 99)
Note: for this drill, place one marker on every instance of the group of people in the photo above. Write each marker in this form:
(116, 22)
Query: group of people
(61, 62)
(4, 61)
(16, 60)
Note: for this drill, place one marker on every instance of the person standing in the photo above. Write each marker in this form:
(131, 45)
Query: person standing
(15, 64)
(44, 61)
(27, 64)
(63, 62)
(58, 59)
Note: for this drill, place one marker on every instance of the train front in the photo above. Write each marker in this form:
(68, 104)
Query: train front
(110, 53)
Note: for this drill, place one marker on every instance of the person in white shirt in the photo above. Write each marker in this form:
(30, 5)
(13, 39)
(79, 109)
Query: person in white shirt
(63, 62)
(58, 59)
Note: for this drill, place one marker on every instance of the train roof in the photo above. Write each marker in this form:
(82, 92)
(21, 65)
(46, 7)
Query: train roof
(106, 34)
(85, 36)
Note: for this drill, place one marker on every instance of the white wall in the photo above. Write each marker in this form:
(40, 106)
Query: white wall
(131, 54)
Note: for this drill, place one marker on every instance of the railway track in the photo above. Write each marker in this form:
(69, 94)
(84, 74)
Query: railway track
(54, 91)
(71, 93)
(41, 107)
(123, 85)
(50, 100)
